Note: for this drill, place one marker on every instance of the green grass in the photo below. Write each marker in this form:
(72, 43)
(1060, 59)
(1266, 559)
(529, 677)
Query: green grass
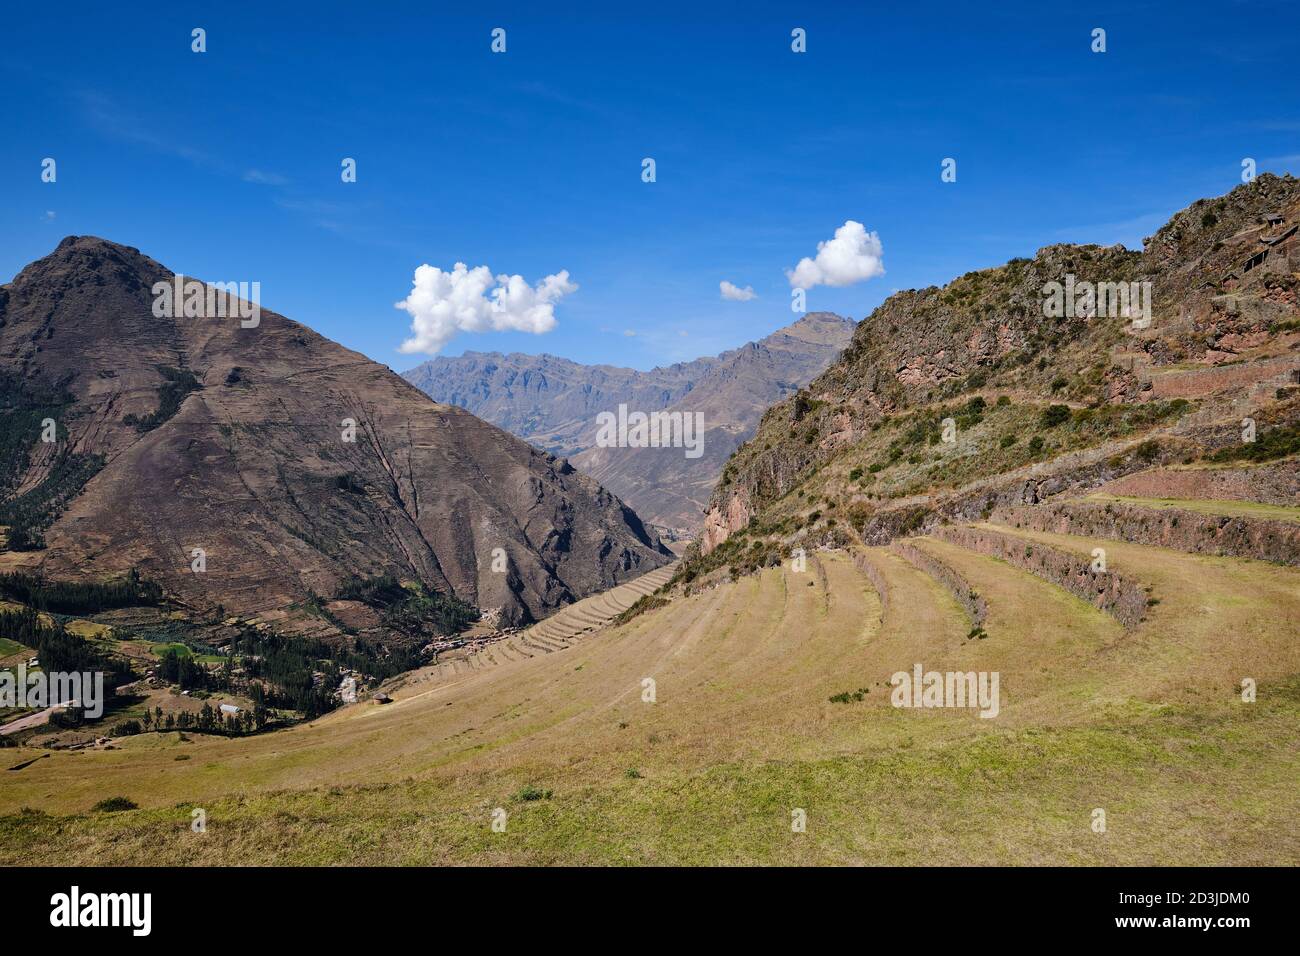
(160, 650)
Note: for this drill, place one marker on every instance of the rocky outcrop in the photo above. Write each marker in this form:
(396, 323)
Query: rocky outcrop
(989, 332)
(1177, 528)
(1123, 599)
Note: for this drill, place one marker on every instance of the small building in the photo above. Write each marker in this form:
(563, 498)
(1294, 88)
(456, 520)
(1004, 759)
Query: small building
(382, 699)
(1273, 219)
(229, 709)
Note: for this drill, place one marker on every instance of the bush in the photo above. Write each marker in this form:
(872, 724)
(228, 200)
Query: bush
(1274, 443)
(1036, 444)
(849, 696)
(1054, 415)
(1007, 441)
(114, 805)
(1148, 450)
(530, 793)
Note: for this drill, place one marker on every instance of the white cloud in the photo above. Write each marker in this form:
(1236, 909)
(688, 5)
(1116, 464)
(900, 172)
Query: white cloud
(50, 215)
(629, 333)
(854, 255)
(735, 293)
(441, 304)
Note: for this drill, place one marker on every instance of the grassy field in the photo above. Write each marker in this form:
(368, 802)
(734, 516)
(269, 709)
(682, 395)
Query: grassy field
(181, 650)
(1147, 724)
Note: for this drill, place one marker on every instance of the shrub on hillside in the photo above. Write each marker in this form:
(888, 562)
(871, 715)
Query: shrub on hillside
(1054, 415)
(114, 805)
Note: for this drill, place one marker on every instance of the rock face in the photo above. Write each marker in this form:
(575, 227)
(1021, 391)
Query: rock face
(290, 461)
(1222, 329)
(554, 403)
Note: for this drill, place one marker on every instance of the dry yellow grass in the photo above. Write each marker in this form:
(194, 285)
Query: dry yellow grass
(1147, 724)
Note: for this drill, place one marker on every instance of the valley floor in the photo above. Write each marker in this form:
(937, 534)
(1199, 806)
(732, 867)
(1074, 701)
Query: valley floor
(1146, 723)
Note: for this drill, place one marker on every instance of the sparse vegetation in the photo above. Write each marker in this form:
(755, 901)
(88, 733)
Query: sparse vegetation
(850, 696)
(647, 602)
(412, 609)
(1270, 444)
(177, 383)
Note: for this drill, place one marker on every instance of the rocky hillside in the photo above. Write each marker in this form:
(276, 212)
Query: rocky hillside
(290, 462)
(554, 403)
(1043, 392)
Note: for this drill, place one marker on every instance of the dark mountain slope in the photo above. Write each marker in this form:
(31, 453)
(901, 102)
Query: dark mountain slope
(190, 433)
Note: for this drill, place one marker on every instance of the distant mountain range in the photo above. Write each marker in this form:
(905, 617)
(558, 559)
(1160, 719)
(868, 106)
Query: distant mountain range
(289, 461)
(556, 404)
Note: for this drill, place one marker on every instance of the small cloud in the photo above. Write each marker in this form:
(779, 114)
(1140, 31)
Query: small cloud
(735, 293)
(263, 178)
(853, 255)
(50, 216)
(443, 304)
(629, 333)
(683, 332)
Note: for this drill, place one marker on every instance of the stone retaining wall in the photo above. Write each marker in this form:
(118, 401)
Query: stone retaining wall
(1240, 537)
(1123, 599)
(1268, 484)
(966, 596)
(868, 568)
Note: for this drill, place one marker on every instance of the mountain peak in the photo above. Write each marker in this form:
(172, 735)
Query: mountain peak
(556, 402)
(201, 432)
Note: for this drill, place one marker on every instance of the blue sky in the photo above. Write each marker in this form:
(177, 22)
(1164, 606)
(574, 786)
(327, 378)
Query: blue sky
(225, 165)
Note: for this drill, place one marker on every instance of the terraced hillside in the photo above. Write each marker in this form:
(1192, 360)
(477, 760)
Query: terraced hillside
(953, 401)
(770, 695)
(557, 632)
